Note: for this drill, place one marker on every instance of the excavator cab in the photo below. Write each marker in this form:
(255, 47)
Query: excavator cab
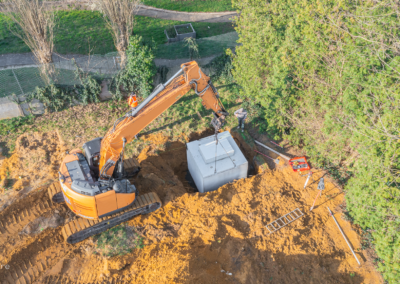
(92, 152)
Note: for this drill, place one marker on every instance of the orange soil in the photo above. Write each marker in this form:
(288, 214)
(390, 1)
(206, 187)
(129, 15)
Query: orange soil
(35, 160)
(220, 237)
(217, 237)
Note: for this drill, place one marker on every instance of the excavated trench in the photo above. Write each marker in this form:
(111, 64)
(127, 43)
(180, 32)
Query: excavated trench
(216, 237)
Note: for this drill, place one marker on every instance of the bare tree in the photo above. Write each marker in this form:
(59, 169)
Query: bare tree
(35, 25)
(120, 17)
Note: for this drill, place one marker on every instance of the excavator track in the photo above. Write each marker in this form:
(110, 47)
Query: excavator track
(55, 194)
(81, 228)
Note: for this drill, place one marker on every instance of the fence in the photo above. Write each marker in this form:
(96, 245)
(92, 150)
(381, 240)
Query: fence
(23, 79)
(16, 81)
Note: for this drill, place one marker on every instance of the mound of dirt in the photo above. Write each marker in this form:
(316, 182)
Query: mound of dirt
(35, 160)
(215, 237)
(220, 237)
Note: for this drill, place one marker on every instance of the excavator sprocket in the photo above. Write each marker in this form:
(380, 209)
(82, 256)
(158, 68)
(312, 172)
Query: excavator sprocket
(81, 228)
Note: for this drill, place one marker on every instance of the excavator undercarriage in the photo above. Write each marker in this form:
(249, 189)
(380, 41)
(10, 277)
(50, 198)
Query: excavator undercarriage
(81, 228)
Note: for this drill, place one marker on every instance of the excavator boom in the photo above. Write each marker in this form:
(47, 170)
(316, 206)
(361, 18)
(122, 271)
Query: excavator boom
(94, 183)
(164, 96)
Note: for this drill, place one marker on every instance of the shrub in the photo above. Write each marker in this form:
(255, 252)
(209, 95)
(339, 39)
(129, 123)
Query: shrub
(137, 75)
(56, 97)
(326, 74)
(221, 67)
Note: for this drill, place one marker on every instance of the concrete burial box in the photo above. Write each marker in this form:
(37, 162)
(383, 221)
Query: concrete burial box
(211, 166)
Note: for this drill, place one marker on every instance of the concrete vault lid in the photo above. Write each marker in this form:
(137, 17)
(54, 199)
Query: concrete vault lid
(210, 154)
(215, 166)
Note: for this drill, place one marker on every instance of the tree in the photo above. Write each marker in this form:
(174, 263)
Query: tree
(193, 47)
(34, 25)
(138, 72)
(327, 75)
(119, 15)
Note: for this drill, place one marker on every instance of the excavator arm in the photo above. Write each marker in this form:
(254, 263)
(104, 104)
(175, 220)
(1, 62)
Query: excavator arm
(163, 97)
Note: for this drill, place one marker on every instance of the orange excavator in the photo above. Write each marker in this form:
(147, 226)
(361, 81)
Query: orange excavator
(95, 183)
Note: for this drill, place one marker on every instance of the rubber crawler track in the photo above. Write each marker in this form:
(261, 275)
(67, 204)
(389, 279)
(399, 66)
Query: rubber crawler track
(80, 229)
(84, 279)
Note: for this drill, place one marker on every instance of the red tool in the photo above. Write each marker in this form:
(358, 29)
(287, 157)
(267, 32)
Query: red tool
(299, 164)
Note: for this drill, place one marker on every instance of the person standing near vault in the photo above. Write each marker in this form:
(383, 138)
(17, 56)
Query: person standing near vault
(241, 115)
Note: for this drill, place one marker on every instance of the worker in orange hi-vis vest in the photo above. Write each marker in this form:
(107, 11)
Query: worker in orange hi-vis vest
(132, 101)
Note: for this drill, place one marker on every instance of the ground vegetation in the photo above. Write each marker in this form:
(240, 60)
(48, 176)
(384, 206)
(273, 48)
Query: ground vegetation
(192, 5)
(86, 32)
(137, 74)
(326, 74)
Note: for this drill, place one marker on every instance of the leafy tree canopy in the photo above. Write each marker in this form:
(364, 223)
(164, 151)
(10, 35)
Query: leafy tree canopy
(327, 75)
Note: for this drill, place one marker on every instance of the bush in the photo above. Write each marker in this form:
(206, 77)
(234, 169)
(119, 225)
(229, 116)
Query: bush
(326, 75)
(56, 97)
(137, 74)
(221, 67)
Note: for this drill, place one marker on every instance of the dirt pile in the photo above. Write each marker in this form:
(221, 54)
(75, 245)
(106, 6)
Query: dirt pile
(220, 237)
(35, 160)
(217, 237)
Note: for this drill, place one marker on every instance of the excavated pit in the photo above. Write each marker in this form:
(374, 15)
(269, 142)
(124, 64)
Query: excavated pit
(215, 237)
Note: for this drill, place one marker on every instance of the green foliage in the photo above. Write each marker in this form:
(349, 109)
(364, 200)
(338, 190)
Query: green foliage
(119, 240)
(192, 5)
(137, 74)
(84, 32)
(193, 47)
(57, 97)
(14, 124)
(222, 67)
(171, 31)
(163, 71)
(326, 74)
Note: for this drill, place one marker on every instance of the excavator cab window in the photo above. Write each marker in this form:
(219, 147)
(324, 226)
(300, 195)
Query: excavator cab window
(92, 152)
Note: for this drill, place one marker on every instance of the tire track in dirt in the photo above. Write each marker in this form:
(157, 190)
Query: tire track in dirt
(31, 262)
(90, 279)
(19, 214)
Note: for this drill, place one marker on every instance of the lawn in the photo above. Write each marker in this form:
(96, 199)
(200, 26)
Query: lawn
(81, 32)
(207, 46)
(83, 123)
(192, 5)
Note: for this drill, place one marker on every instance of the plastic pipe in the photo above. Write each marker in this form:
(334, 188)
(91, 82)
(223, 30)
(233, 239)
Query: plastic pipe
(330, 213)
(272, 150)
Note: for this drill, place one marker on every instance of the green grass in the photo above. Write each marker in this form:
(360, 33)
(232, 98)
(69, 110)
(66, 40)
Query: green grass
(81, 32)
(192, 5)
(186, 116)
(207, 47)
(118, 240)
